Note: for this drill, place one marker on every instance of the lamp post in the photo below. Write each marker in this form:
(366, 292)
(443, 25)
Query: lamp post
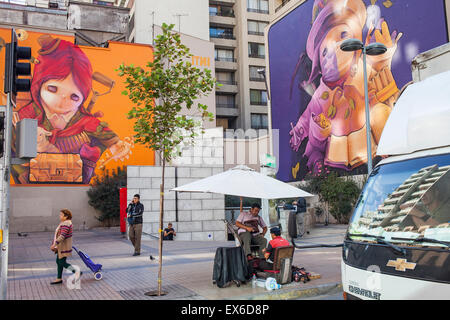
(264, 169)
(372, 49)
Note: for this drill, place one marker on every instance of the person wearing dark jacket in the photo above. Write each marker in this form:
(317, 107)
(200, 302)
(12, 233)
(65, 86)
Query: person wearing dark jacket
(135, 212)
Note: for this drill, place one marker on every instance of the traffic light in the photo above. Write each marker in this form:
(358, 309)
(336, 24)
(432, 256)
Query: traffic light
(14, 68)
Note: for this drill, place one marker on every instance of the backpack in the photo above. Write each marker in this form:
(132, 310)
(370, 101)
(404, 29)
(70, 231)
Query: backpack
(300, 274)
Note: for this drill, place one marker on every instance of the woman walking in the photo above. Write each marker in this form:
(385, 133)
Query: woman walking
(62, 244)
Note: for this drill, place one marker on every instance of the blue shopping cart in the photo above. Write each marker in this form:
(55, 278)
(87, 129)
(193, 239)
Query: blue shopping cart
(95, 268)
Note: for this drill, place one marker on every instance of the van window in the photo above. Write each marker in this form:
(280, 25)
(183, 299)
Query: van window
(406, 199)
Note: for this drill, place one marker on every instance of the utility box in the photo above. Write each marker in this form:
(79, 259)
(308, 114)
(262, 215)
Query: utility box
(26, 139)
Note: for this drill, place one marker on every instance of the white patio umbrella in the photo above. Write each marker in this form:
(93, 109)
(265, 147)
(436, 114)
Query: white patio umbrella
(243, 181)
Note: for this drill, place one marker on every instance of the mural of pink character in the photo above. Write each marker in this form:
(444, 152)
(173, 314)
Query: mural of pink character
(69, 136)
(334, 119)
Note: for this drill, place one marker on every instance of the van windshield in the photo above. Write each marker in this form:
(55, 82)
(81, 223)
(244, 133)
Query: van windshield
(406, 199)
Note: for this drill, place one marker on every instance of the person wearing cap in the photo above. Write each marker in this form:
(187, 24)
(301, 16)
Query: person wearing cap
(249, 232)
(269, 252)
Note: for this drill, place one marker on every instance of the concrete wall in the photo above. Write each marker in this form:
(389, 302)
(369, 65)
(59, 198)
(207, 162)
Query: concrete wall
(238, 150)
(199, 214)
(195, 216)
(34, 209)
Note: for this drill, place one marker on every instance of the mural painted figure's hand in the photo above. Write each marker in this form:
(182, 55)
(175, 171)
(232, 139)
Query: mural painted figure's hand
(15, 118)
(390, 40)
(298, 134)
(121, 150)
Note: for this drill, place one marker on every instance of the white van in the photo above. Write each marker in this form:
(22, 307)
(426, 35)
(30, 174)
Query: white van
(397, 243)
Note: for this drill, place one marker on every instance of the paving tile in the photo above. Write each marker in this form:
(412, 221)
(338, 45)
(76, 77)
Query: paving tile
(187, 267)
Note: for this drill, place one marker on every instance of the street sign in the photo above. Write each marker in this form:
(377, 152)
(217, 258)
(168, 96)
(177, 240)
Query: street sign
(1, 236)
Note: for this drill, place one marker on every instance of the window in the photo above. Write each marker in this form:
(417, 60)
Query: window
(225, 77)
(256, 50)
(219, 32)
(258, 97)
(256, 27)
(254, 75)
(225, 101)
(224, 55)
(259, 121)
(405, 199)
(258, 6)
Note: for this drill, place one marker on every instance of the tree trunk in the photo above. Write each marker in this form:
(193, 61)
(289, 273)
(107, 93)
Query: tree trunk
(161, 216)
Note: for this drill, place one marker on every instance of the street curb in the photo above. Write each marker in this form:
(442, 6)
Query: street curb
(296, 293)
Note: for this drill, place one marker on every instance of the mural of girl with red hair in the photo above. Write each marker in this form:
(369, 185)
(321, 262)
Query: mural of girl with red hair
(61, 84)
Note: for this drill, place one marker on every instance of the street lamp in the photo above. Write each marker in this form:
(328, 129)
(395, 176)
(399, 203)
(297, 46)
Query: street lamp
(372, 49)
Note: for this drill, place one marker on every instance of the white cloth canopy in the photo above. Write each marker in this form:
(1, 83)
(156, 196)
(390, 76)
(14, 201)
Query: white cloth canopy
(243, 181)
(420, 119)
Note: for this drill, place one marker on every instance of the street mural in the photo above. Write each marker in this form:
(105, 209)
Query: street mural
(81, 114)
(318, 90)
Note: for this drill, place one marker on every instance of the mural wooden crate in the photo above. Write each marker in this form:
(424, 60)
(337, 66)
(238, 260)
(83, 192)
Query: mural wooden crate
(53, 167)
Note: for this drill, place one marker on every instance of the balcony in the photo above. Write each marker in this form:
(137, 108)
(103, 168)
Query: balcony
(227, 82)
(257, 10)
(226, 63)
(227, 86)
(227, 110)
(225, 59)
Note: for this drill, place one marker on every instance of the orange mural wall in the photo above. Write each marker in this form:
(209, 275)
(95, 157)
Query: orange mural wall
(108, 137)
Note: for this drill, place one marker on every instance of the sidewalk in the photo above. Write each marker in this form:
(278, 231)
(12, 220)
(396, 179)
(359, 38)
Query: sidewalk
(187, 269)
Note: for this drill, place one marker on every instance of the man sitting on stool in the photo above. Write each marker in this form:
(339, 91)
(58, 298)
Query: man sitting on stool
(269, 252)
(248, 232)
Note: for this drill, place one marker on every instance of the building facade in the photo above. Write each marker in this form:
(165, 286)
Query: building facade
(237, 30)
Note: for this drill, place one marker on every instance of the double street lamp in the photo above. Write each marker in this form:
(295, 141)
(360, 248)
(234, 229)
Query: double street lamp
(372, 49)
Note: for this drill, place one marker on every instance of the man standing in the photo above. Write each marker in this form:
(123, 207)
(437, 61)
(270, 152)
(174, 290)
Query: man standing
(135, 211)
(248, 223)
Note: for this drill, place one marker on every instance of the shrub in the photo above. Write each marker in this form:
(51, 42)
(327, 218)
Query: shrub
(104, 194)
(340, 193)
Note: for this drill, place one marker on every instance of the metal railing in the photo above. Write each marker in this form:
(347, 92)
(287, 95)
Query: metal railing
(259, 79)
(258, 103)
(259, 56)
(256, 33)
(229, 82)
(226, 105)
(258, 10)
(221, 35)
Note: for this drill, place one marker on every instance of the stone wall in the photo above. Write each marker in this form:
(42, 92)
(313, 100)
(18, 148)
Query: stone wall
(195, 216)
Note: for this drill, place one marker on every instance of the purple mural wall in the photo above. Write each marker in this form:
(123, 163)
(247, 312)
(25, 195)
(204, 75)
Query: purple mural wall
(317, 90)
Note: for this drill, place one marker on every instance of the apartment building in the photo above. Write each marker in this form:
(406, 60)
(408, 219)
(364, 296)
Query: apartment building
(237, 29)
(91, 22)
